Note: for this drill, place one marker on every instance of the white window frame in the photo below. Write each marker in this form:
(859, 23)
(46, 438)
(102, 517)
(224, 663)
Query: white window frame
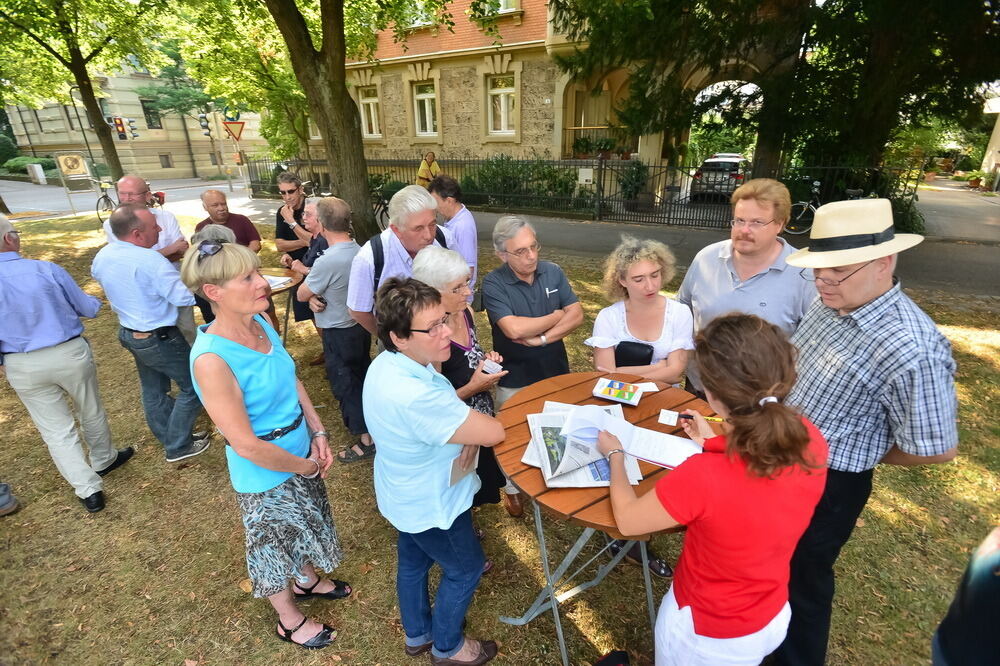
(368, 103)
(505, 6)
(507, 114)
(429, 102)
(422, 19)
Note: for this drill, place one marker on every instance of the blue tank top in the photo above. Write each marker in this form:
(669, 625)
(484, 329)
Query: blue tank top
(271, 398)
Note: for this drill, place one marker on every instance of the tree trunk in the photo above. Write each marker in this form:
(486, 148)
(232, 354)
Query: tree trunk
(82, 77)
(323, 78)
(770, 134)
(187, 140)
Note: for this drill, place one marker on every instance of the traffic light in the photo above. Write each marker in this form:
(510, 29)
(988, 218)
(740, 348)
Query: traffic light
(132, 128)
(203, 121)
(119, 126)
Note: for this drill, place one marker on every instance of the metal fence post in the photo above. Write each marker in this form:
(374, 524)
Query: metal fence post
(599, 199)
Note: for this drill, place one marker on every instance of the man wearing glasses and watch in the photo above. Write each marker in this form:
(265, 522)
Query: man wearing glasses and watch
(748, 273)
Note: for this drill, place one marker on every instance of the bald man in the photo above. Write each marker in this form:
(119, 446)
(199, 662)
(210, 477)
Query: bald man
(215, 204)
(134, 190)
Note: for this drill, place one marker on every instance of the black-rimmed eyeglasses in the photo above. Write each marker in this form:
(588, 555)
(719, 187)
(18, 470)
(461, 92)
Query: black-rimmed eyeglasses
(435, 329)
(285, 193)
(828, 281)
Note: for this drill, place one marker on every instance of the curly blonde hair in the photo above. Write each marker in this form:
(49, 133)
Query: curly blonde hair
(630, 251)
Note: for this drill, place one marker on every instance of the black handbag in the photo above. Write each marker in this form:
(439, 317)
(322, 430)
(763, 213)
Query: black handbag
(628, 353)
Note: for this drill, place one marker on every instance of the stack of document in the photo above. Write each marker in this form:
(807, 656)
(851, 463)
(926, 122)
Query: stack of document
(564, 445)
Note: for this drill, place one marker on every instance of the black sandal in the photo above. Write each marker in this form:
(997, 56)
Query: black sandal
(367, 451)
(317, 642)
(657, 566)
(339, 591)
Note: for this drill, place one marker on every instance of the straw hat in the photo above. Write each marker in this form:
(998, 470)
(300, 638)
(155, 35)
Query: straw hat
(851, 232)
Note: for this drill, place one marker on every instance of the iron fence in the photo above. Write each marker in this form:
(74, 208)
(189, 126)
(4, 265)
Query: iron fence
(606, 189)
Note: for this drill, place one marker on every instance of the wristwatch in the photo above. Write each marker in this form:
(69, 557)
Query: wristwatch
(545, 341)
(292, 224)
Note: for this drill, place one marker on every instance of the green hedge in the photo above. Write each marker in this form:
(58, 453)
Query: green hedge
(20, 164)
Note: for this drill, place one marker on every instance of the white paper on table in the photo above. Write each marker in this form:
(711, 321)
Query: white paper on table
(532, 456)
(648, 387)
(659, 448)
(276, 282)
(595, 474)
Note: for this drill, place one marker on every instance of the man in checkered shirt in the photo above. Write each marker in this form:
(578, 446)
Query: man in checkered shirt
(876, 377)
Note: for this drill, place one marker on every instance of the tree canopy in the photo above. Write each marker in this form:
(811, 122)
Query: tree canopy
(836, 80)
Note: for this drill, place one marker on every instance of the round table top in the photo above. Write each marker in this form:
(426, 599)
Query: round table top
(590, 507)
(283, 272)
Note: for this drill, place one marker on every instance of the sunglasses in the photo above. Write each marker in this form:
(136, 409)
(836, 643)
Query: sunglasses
(208, 249)
(287, 192)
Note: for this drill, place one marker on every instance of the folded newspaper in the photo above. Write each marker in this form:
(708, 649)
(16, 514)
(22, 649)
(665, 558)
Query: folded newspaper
(561, 459)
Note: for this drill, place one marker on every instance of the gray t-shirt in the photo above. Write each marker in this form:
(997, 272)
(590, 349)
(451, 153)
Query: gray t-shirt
(328, 278)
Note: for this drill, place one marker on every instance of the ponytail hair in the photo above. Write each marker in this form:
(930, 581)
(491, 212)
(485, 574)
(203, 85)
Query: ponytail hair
(748, 365)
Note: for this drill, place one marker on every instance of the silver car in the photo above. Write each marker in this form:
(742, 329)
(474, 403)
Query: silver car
(717, 177)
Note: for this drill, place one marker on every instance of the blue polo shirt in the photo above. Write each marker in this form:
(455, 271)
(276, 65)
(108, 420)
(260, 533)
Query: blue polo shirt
(506, 294)
(412, 411)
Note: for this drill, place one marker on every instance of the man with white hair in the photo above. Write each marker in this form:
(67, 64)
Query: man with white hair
(412, 227)
(134, 190)
(215, 204)
(46, 359)
(145, 290)
(876, 377)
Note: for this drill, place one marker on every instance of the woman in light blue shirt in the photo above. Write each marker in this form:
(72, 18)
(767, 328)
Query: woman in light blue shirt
(424, 470)
(277, 449)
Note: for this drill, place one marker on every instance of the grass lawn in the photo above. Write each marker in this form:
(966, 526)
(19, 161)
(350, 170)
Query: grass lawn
(159, 576)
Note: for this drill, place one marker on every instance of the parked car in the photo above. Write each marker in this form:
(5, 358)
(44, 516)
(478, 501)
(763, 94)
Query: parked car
(718, 176)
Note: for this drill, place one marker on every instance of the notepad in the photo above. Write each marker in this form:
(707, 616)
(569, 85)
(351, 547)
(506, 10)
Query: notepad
(612, 389)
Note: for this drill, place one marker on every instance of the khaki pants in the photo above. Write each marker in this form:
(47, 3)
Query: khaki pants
(504, 394)
(43, 379)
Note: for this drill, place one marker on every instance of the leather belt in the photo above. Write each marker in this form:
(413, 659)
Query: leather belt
(281, 432)
(162, 330)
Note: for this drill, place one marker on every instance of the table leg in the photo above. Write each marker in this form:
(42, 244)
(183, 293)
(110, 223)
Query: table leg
(547, 598)
(649, 587)
(288, 309)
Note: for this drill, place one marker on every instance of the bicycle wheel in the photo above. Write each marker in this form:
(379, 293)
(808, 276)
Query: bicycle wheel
(382, 217)
(802, 218)
(105, 206)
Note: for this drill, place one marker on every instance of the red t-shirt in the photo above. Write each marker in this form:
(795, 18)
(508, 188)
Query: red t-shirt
(742, 531)
(240, 225)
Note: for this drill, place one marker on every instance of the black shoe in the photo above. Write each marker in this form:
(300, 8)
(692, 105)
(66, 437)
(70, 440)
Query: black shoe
(123, 457)
(94, 503)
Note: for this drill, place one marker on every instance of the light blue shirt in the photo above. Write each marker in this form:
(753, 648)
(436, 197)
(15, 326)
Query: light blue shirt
(398, 263)
(712, 288)
(144, 289)
(41, 305)
(463, 228)
(411, 412)
(270, 395)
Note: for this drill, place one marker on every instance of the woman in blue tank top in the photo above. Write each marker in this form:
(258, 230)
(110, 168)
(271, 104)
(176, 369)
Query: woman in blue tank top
(277, 449)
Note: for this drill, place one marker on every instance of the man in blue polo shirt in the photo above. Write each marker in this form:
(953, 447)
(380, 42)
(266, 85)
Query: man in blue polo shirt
(531, 309)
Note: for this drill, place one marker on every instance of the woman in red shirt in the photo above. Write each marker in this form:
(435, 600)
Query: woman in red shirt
(745, 501)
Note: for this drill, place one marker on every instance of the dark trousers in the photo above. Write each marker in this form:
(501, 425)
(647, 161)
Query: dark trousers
(347, 360)
(811, 586)
(206, 309)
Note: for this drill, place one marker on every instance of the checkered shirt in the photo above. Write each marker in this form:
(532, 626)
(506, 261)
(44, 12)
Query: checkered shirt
(878, 376)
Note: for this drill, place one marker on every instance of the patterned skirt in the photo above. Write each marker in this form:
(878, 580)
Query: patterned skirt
(288, 527)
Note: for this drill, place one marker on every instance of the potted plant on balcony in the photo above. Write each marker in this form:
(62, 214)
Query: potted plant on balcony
(583, 147)
(604, 146)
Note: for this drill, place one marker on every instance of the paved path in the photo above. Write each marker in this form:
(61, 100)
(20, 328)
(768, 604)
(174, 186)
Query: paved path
(956, 266)
(954, 212)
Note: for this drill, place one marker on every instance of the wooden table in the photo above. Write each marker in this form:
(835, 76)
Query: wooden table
(587, 507)
(296, 279)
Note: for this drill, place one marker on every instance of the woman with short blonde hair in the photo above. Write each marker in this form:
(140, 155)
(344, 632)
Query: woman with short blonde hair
(277, 449)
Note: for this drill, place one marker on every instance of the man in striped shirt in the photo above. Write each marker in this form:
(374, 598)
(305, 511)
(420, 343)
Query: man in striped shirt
(876, 377)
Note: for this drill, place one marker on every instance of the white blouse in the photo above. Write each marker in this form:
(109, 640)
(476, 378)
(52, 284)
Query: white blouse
(611, 327)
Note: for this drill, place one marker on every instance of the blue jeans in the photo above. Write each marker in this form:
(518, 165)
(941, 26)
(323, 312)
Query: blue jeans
(457, 551)
(159, 361)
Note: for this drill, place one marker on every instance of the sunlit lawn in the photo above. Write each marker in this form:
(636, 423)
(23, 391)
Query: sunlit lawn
(156, 577)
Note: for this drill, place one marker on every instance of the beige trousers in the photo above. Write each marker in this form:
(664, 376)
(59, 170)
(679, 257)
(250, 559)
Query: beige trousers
(43, 379)
(185, 322)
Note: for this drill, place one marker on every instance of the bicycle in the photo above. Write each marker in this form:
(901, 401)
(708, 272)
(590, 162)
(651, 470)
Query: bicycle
(803, 212)
(311, 189)
(105, 203)
(380, 208)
